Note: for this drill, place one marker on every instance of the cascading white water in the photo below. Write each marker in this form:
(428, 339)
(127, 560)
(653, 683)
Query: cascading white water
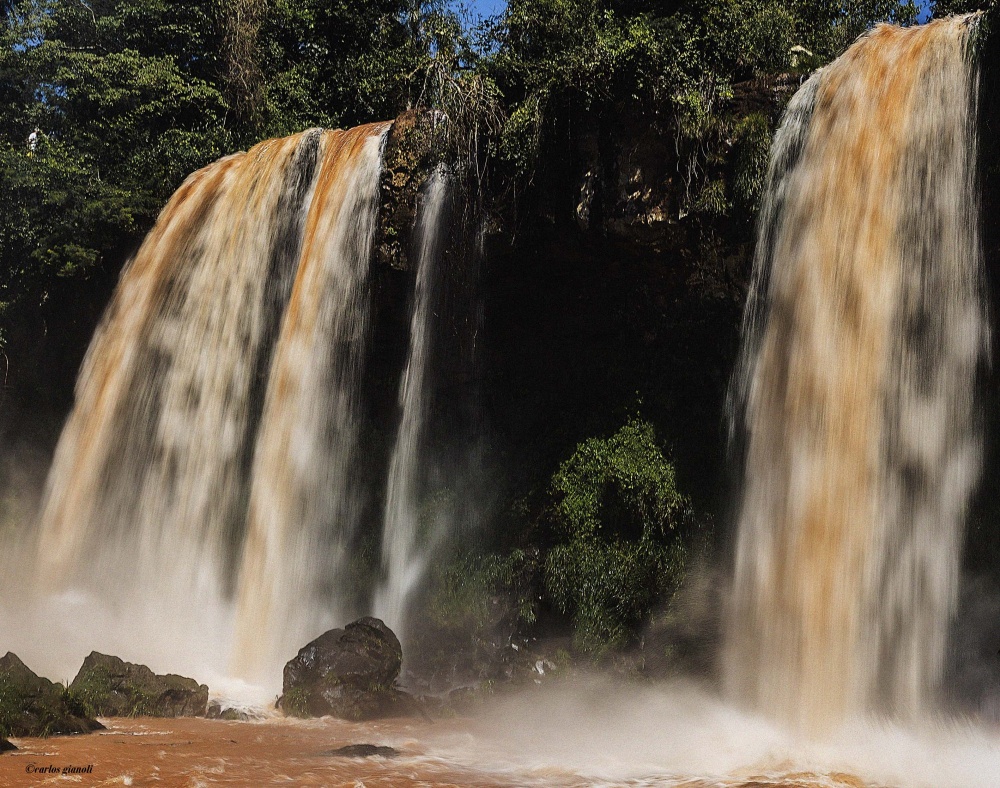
(302, 508)
(199, 504)
(149, 478)
(855, 391)
(403, 558)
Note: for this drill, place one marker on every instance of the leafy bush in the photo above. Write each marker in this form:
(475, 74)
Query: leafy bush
(751, 148)
(472, 587)
(617, 514)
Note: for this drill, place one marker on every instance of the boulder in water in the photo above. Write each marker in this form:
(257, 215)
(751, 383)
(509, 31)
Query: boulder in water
(216, 711)
(110, 687)
(364, 751)
(348, 673)
(34, 706)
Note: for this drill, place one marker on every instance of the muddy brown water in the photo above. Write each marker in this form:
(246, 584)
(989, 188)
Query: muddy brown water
(198, 752)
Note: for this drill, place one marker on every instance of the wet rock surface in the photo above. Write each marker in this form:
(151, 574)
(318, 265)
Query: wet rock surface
(107, 686)
(217, 711)
(411, 151)
(348, 673)
(34, 706)
(364, 751)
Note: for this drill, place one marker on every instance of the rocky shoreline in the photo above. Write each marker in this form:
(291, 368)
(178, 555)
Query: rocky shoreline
(350, 674)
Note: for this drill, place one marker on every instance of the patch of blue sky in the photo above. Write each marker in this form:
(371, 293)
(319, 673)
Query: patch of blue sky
(484, 8)
(488, 8)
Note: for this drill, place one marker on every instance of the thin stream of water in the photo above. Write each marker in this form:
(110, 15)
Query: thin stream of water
(404, 554)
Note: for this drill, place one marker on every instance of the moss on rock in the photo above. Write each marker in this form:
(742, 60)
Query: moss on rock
(109, 687)
(411, 152)
(34, 706)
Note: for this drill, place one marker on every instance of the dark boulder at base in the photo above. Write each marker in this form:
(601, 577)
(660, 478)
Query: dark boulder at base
(34, 706)
(348, 673)
(110, 687)
(216, 711)
(364, 751)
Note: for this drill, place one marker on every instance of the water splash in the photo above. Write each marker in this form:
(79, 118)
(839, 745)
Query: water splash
(855, 392)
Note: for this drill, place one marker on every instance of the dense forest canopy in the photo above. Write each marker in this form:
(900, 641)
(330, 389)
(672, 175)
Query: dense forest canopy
(129, 96)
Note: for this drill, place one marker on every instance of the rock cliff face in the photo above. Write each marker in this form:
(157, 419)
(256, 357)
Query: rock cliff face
(983, 539)
(411, 151)
(623, 286)
(644, 184)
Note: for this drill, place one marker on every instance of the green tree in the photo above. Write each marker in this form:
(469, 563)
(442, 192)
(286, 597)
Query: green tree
(948, 7)
(130, 96)
(828, 27)
(618, 520)
(124, 111)
(335, 64)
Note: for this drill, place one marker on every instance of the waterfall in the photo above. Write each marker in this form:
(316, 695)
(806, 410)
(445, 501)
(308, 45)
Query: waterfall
(854, 394)
(200, 507)
(403, 559)
(302, 507)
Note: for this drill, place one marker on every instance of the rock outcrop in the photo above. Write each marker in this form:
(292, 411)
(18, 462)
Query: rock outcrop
(364, 751)
(348, 673)
(109, 687)
(217, 711)
(411, 151)
(34, 706)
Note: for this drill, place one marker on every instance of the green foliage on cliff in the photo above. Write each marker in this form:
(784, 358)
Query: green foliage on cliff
(129, 96)
(473, 591)
(475, 604)
(752, 142)
(618, 517)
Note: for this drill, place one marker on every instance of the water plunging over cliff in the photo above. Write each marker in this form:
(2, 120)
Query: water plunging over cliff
(204, 490)
(855, 391)
(404, 559)
(302, 507)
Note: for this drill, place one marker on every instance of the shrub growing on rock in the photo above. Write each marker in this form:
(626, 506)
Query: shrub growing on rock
(475, 605)
(617, 515)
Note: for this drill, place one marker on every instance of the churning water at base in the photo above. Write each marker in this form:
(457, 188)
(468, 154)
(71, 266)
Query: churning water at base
(855, 394)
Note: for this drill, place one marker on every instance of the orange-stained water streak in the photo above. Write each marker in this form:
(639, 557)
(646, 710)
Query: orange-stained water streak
(301, 514)
(858, 404)
(110, 366)
(205, 403)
